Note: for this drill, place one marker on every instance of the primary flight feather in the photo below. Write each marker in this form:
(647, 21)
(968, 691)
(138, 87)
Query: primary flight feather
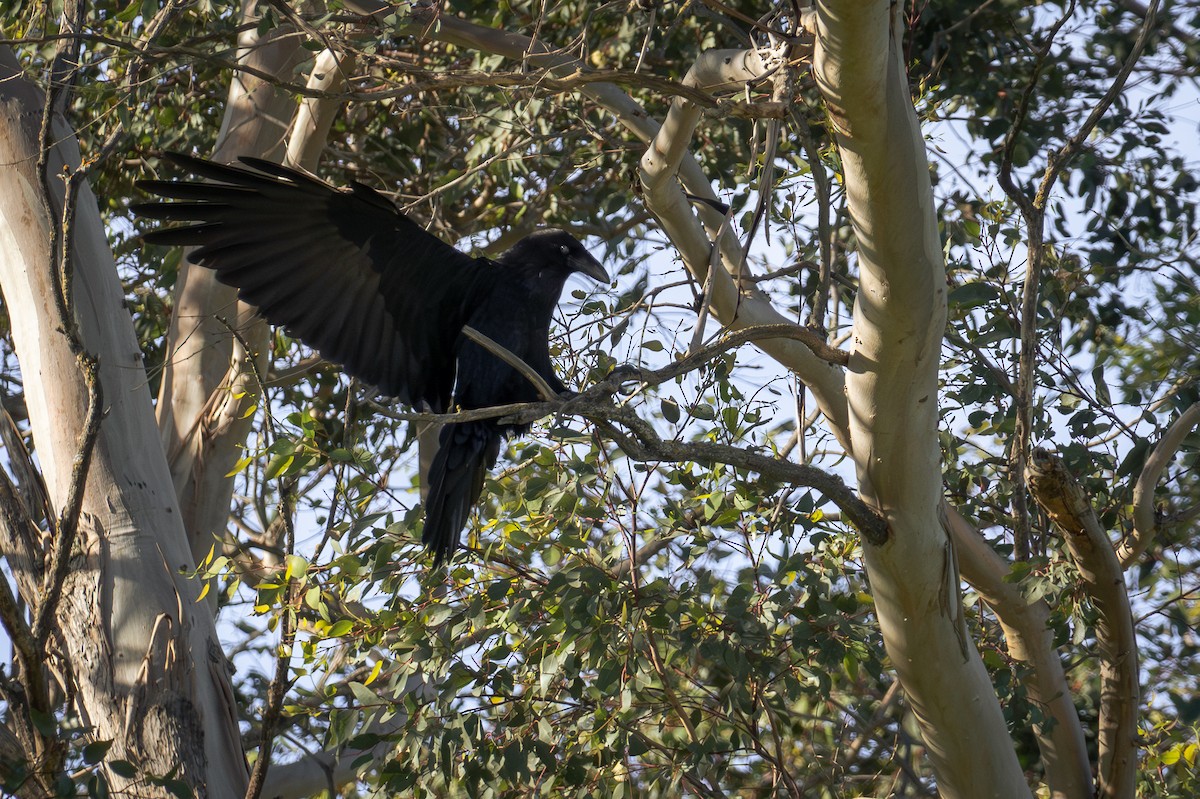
(352, 277)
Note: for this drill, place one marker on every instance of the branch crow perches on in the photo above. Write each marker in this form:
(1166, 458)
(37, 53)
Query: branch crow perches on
(349, 275)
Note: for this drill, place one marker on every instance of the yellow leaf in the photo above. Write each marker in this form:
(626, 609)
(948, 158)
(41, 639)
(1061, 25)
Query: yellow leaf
(374, 672)
(237, 467)
(1189, 753)
(204, 591)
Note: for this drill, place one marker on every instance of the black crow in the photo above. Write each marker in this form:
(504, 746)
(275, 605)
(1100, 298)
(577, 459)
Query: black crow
(349, 275)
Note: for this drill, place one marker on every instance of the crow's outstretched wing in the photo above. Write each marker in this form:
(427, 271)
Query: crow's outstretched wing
(343, 270)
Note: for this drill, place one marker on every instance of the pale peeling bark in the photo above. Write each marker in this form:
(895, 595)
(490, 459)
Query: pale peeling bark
(734, 302)
(209, 380)
(899, 318)
(144, 656)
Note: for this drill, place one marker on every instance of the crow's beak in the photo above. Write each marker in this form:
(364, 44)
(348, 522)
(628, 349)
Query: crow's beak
(587, 265)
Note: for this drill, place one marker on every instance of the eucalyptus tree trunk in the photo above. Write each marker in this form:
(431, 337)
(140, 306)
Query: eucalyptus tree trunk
(141, 655)
(891, 387)
(883, 406)
(217, 345)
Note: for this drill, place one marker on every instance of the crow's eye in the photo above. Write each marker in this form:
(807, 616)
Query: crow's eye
(563, 249)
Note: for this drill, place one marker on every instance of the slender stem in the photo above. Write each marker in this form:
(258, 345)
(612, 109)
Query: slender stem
(1034, 212)
(510, 358)
(283, 658)
(62, 271)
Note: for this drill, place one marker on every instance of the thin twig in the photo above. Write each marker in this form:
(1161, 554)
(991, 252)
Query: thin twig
(280, 682)
(506, 355)
(825, 231)
(526, 412)
(29, 653)
(643, 444)
(1035, 225)
(62, 272)
(714, 260)
(1033, 211)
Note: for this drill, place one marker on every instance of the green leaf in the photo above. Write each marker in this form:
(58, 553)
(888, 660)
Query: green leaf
(436, 614)
(97, 787)
(1133, 462)
(972, 295)
(340, 628)
(279, 465)
(364, 695)
(94, 752)
(130, 12)
(297, 567)
(45, 722)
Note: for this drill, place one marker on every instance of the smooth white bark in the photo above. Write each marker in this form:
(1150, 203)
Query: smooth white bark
(148, 667)
(899, 317)
(1145, 525)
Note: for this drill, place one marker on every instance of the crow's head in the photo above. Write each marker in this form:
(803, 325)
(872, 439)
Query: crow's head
(556, 251)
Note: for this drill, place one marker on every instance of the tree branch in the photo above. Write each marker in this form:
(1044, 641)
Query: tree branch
(1063, 498)
(314, 117)
(826, 381)
(279, 682)
(45, 751)
(509, 357)
(62, 278)
(644, 445)
(1030, 641)
(1145, 525)
(1034, 212)
(526, 412)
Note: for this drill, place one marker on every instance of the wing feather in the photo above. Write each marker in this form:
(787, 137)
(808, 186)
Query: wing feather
(343, 270)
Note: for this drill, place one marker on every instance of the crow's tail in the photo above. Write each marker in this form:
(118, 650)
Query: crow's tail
(466, 451)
